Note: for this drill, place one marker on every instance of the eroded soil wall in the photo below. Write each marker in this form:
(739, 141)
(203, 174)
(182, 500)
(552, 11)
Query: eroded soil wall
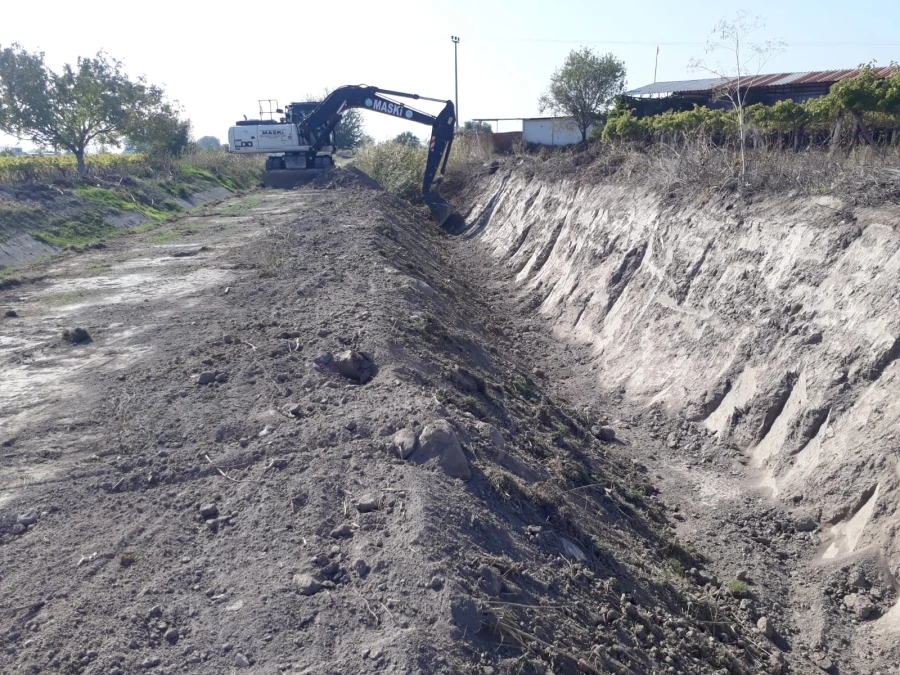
(773, 322)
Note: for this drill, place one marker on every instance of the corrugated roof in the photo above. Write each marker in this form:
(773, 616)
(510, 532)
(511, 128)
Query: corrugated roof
(547, 119)
(772, 80)
(678, 86)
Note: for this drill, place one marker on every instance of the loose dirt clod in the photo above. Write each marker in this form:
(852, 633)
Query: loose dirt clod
(75, 336)
(368, 503)
(438, 440)
(355, 366)
(405, 441)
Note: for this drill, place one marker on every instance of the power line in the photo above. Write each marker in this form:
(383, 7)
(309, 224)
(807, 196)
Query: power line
(663, 43)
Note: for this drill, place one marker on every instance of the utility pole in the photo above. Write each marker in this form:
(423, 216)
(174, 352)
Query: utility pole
(656, 64)
(455, 77)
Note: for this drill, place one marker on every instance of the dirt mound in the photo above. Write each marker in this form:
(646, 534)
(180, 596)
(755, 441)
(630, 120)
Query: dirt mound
(753, 344)
(318, 445)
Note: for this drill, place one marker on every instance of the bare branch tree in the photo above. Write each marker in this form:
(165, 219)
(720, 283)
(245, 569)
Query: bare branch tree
(744, 60)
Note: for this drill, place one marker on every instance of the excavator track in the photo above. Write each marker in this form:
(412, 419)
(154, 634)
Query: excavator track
(289, 178)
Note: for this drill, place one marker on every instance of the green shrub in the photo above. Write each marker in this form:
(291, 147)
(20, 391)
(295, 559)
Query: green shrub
(875, 99)
(525, 387)
(400, 168)
(738, 589)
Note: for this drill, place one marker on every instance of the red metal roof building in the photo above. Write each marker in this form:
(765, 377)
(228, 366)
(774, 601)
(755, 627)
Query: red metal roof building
(767, 89)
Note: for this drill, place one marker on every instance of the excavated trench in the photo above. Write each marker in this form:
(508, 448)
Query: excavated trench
(755, 341)
(666, 438)
(312, 433)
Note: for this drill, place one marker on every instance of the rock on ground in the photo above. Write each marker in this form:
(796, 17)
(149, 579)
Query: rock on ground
(405, 441)
(356, 366)
(306, 584)
(438, 440)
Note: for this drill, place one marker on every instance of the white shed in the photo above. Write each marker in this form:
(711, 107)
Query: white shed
(551, 131)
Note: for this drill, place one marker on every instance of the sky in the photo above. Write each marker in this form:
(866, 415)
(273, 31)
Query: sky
(218, 59)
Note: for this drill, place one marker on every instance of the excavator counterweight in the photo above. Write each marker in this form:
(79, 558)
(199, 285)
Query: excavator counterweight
(301, 143)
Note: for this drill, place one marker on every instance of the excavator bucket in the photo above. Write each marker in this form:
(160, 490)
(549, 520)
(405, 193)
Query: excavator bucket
(440, 209)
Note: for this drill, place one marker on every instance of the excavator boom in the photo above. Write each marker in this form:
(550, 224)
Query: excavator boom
(304, 137)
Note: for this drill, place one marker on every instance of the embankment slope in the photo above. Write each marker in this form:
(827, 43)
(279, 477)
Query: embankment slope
(771, 324)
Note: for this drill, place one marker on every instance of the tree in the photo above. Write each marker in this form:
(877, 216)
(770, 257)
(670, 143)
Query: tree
(161, 135)
(584, 87)
(407, 138)
(480, 127)
(209, 143)
(743, 60)
(349, 132)
(93, 101)
(867, 92)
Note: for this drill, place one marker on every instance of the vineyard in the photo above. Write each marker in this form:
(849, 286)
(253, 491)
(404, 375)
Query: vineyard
(861, 109)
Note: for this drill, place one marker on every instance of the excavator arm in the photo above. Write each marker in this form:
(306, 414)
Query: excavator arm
(320, 123)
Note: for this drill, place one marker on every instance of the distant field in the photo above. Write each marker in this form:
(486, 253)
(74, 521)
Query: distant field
(24, 169)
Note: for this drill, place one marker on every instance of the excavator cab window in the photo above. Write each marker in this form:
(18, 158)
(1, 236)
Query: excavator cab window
(297, 112)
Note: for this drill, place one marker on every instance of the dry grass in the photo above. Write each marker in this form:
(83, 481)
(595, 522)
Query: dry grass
(400, 169)
(51, 169)
(397, 167)
(271, 249)
(866, 176)
(232, 171)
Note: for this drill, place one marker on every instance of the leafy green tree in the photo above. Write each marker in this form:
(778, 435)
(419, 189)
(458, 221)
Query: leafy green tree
(480, 127)
(407, 138)
(861, 94)
(584, 87)
(350, 132)
(209, 143)
(162, 135)
(93, 101)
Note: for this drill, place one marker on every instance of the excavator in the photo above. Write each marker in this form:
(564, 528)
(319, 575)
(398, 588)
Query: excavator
(301, 142)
